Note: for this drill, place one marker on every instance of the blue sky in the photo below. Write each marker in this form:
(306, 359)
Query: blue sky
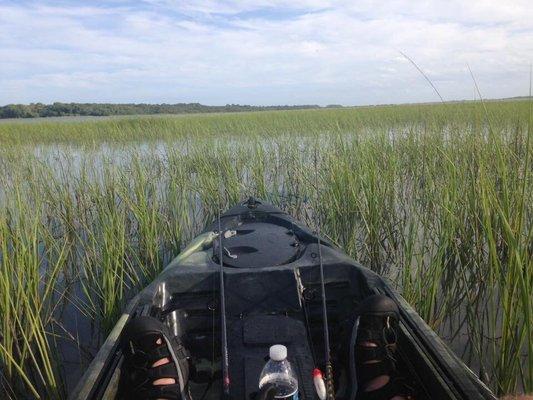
(262, 52)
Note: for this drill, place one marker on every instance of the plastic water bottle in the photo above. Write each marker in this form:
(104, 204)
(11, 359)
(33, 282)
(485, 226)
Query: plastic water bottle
(278, 371)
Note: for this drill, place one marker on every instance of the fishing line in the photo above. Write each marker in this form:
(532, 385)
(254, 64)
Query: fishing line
(212, 308)
(306, 316)
(225, 358)
(330, 391)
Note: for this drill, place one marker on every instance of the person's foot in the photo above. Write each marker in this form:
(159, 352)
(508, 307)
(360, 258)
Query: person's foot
(155, 364)
(374, 350)
(380, 381)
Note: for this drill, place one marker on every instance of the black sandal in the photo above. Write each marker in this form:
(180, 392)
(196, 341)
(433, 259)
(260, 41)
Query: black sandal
(141, 351)
(378, 324)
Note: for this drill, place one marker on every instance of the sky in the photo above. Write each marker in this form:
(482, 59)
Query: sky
(263, 52)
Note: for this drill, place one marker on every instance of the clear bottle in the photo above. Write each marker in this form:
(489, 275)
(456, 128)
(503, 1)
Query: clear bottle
(278, 371)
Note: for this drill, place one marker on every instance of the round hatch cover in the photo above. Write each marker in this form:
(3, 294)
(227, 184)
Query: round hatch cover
(257, 245)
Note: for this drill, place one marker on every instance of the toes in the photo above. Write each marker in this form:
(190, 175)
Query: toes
(164, 381)
(160, 362)
(369, 344)
(377, 383)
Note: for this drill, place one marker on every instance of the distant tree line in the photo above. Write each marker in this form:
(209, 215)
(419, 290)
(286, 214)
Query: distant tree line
(100, 109)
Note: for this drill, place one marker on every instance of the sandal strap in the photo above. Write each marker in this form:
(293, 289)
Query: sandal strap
(367, 372)
(365, 334)
(146, 359)
(377, 332)
(159, 352)
(167, 392)
(163, 371)
(365, 353)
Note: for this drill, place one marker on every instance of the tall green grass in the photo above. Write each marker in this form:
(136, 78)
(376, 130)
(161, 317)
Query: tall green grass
(433, 197)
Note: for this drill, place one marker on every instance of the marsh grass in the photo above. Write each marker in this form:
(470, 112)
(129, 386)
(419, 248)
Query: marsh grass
(433, 197)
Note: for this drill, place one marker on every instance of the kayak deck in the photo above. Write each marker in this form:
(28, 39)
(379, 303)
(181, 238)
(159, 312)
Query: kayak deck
(272, 294)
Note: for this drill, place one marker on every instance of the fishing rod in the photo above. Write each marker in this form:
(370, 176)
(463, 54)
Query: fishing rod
(225, 358)
(330, 390)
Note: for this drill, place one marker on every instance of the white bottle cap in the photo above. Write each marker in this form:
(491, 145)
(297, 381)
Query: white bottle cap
(278, 352)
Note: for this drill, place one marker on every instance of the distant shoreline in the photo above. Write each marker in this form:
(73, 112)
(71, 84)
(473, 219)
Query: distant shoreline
(39, 111)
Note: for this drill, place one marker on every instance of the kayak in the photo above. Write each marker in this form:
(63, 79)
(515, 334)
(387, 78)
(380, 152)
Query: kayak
(257, 277)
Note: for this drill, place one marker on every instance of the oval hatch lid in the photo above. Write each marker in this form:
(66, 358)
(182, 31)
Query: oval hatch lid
(257, 245)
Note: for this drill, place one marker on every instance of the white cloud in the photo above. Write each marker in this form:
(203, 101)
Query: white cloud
(262, 52)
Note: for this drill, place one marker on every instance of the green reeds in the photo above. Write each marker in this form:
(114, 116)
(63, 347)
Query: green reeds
(31, 261)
